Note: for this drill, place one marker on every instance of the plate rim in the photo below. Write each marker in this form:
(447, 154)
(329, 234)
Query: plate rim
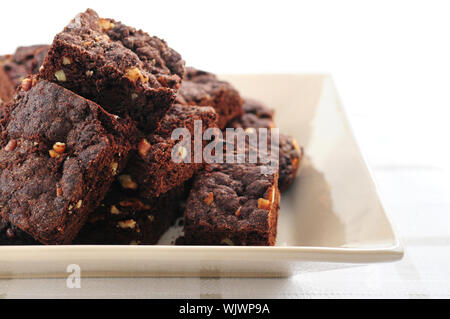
(375, 254)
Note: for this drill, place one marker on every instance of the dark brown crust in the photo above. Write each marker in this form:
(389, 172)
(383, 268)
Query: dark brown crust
(223, 209)
(50, 197)
(291, 156)
(203, 88)
(155, 171)
(124, 218)
(125, 70)
(256, 115)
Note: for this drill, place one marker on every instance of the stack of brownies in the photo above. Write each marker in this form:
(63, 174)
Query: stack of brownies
(86, 145)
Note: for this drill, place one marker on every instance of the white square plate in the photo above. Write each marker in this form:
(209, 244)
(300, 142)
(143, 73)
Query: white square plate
(331, 217)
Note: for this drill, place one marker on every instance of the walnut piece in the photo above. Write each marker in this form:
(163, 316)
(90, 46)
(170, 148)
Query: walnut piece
(59, 147)
(129, 223)
(114, 210)
(67, 60)
(144, 147)
(264, 204)
(105, 24)
(209, 198)
(126, 182)
(60, 76)
(26, 84)
(133, 74)
(53, 154)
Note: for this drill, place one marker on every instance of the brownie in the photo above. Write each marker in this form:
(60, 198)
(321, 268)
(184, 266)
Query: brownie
(6, 87)
(126, 71)
(232, 204)
(203, 88)
(59, 155)
(256, 115)
(152, 168)
(25, 61)
(125, 218)
(291, 156)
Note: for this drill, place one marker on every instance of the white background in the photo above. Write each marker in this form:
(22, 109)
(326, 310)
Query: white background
(391, 64)
(390, 59)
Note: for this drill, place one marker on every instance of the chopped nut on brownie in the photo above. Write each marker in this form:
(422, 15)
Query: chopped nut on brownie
(233, 204)
(50, 197)
(152, 168)
(125, 70)
(124, 218)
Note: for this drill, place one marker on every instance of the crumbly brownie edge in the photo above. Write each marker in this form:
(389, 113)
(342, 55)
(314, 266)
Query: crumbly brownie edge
(256, 115)
(84, 59)
(25, 61)
(124, 218)
(203, 88)
(152, 166)
(103, 83)
(291, 156)
(59, 209)
(249, 221)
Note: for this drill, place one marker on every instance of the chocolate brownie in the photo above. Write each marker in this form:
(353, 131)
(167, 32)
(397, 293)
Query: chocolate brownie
(203, 88)
(125, 70)
(152, 169)
(291, 156)
(6, 87)
(25, 61)
(232, 204)
(256, 115)
(59, 155)
(125, 218)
